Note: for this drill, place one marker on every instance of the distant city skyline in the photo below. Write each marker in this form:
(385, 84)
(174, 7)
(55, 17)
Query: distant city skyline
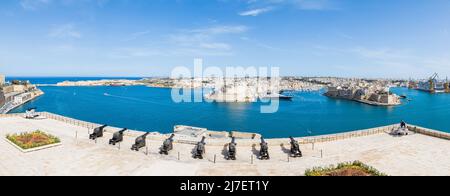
(141, 38)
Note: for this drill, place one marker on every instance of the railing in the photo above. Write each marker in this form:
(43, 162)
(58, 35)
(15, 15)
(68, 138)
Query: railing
(68, 120)
(348, 135)
(85, 124)
(10, 115)
(303, 140)
(429, 132)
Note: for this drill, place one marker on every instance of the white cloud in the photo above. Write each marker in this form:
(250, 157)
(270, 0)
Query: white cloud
(206, 41)
(299, 4)
(65, 31)
(265, 46)
(314, 4)
(33, 4)
(137, 35)
(255, 12)
(37, 4)
(217, 46)
(224, 29)
(135, 53)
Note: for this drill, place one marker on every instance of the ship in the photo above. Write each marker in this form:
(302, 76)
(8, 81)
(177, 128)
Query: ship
(433, 85)
(279, 96)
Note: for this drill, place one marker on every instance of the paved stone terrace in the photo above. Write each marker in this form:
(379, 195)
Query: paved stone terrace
(415, 154)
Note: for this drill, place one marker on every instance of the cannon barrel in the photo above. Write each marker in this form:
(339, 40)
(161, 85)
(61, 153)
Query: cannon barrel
(98, 129)
(263, 141)
(122, 131)
(203, 140)
(142, 137)
(171, 137)
(145, 135)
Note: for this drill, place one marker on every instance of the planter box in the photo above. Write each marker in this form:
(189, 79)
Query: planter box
(32, 149)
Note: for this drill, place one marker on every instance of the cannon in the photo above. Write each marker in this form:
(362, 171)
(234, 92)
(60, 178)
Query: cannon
(98, 132)
(31, 113)
(295, 148)
(167, 145)
(200, 149)
(139, 142)
(117, 137)
(232, 150)
(264, 151)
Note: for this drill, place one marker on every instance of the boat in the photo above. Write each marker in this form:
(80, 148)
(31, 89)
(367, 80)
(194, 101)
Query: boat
(117, 85)
(276, 96)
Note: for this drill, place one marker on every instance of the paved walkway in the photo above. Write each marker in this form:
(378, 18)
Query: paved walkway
(411, 155)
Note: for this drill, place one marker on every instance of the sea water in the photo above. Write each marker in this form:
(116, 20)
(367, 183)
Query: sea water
(309, 113)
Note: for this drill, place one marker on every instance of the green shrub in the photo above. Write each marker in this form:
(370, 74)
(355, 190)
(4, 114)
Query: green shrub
(356, 165)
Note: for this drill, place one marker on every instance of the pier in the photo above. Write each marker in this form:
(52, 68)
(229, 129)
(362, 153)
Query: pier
(420, 153)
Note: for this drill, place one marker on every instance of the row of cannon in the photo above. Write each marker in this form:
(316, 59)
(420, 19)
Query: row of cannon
(199, 149)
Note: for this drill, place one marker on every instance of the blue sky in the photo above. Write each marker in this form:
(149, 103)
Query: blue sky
(350, 38)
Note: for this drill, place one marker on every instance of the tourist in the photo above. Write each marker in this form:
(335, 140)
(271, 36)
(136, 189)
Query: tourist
(403, 125)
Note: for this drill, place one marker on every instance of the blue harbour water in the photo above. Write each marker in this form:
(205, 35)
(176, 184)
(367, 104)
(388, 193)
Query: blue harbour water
(309, 113)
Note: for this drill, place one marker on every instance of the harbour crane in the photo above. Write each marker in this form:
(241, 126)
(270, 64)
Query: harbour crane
(434, 77)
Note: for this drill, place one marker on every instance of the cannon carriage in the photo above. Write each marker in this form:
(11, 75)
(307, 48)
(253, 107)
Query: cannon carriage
(98, 132)
(232, 149)
(200, 149)
(264, 150)
(295, 148)
(167, 145)
(117, 137)
(140, 142)
(31, 113)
